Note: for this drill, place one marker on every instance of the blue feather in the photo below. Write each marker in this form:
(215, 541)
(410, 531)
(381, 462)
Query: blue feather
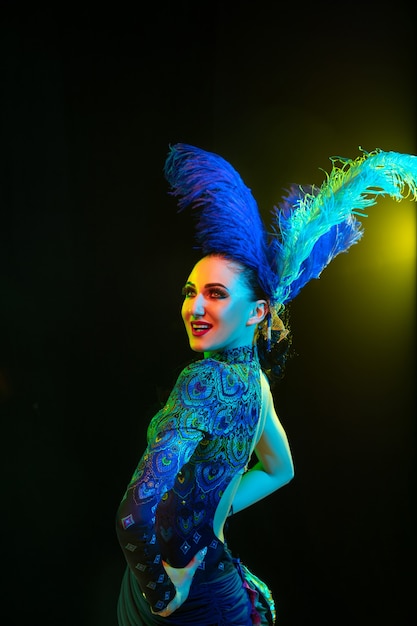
(227, 215)
(338, 239)
(312, 225)
(309, 227)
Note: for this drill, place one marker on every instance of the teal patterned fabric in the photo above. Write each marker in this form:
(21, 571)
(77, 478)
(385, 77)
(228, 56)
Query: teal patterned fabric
(196, 444)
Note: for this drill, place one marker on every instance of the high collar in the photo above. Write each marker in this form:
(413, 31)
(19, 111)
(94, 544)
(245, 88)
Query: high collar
(245, 354)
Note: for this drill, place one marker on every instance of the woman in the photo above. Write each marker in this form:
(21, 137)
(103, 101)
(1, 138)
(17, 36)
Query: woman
(194, 471)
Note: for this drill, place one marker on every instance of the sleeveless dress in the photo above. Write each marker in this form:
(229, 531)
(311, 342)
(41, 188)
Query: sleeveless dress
(196, 444)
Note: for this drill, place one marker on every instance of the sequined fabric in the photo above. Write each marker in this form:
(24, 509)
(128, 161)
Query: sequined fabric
(196, 444)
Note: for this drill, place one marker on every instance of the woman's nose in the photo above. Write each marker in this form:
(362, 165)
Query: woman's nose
(197, 305)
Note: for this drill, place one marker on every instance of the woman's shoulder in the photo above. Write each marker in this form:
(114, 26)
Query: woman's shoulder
(229, 372)
(208, 379)
(202, 371)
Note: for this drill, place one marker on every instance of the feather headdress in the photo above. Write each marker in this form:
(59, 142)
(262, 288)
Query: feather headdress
(308, 228)
(314, 225)
(228, 218)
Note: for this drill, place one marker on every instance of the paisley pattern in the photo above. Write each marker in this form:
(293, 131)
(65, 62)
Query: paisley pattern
(196, 443)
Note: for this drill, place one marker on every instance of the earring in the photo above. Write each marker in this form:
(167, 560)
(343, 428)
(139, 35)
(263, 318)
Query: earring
(268, 330)
(272, 322)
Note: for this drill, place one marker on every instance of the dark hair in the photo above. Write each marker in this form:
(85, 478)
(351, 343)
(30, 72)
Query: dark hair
(273, 360)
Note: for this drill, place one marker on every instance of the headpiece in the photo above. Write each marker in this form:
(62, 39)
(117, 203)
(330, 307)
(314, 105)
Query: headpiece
(309, 227)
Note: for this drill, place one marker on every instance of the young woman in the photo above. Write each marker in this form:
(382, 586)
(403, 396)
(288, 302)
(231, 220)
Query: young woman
(196, 470)
(193, 472)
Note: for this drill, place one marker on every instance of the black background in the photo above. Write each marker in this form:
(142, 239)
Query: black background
(93, 257)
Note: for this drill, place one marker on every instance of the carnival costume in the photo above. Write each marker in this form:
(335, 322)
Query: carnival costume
(204, 434)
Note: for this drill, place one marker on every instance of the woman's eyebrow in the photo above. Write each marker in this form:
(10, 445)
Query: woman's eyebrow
(207, 285)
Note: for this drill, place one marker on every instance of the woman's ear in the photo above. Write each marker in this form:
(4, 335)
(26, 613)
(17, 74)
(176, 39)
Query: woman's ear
(258, 312)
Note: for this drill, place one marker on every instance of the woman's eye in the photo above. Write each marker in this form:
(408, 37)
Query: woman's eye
(188, 292)
(214, 293)
(217, 293)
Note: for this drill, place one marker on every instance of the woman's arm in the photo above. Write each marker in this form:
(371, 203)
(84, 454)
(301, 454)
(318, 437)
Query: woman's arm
(274, 467)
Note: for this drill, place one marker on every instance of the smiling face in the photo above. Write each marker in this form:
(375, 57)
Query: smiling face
(219, 310)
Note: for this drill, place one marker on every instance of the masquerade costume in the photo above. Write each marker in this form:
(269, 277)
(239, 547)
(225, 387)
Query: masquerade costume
(197, 443)
(203, 436)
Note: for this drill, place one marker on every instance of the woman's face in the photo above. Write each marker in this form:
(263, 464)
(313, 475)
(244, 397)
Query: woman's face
(219, 310)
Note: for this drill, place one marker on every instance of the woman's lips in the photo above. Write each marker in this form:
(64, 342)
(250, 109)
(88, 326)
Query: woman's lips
(199, 329)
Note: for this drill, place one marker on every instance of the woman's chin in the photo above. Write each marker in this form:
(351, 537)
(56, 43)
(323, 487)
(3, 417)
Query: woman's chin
(197, 345)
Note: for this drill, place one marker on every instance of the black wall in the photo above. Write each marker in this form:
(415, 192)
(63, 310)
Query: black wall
(93, 257)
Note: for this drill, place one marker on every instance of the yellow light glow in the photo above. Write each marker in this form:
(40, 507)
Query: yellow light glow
(394, 231)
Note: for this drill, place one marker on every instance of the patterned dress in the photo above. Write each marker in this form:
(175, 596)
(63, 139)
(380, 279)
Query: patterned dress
(196, 444)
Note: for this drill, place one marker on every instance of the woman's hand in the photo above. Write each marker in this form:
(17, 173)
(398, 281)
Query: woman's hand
(182, 578)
